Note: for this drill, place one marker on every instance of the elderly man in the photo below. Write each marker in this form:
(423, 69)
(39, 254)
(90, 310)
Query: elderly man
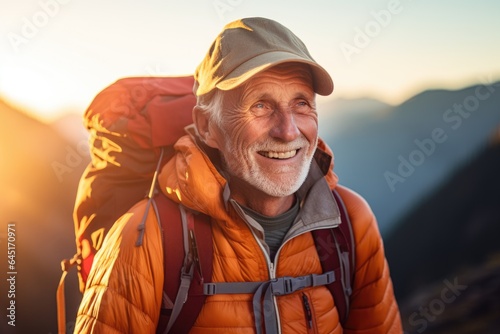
(253, 163)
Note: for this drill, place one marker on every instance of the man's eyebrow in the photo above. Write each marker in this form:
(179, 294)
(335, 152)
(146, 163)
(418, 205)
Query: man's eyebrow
(250, 98)
(305, 96)
(264, 96)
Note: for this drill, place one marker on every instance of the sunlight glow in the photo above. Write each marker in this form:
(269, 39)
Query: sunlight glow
(31, 90)
(367, 52)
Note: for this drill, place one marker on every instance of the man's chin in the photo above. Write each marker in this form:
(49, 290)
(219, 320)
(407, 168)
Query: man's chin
(279, 187)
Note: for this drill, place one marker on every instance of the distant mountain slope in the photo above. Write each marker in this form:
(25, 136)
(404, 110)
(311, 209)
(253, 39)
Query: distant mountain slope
(338, 117)
(451, 237)
(395, 158)
(39, 171)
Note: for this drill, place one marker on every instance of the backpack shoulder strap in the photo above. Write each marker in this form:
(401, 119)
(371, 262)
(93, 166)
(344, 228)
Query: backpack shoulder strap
(185, 235)
(336, 251)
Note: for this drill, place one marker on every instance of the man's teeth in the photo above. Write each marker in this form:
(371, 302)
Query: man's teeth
(280, 155)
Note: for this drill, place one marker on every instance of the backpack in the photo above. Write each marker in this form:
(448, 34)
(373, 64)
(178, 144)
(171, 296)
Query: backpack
(133, 125)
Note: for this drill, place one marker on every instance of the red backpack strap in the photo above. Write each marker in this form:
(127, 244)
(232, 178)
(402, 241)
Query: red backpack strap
(177, 261)
(338, 242)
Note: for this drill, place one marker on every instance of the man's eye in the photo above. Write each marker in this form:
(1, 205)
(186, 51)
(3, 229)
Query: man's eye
(261, 108)
(302, 106)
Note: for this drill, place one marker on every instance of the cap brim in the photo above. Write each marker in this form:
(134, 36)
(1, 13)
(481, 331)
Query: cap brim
(323, 83)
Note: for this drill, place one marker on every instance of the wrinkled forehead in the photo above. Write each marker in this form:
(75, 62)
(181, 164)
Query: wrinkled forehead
(286, 72)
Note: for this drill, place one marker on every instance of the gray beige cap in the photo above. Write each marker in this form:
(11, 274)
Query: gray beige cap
(248, 46)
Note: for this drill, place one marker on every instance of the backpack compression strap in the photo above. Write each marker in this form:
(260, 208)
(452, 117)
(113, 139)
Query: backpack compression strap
(275, 287)
(343, 263)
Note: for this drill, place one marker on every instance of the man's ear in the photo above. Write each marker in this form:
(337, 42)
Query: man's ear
(206, 130)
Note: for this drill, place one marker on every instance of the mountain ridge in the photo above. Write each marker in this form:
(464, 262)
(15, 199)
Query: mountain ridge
(388, 144)
(451, 236)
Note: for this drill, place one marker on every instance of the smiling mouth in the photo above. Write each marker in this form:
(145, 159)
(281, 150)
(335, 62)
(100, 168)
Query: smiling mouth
(279, 155)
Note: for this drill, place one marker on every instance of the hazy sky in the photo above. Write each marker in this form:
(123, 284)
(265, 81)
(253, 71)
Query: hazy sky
(55, 55)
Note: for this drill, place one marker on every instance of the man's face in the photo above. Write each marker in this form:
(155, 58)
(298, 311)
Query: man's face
(269, 131)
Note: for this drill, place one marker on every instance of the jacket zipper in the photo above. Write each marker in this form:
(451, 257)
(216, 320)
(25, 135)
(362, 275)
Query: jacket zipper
(308, 313)
(270, 265)
(272, 275)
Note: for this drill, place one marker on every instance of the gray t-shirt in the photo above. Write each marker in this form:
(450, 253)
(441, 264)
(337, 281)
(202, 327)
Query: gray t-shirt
(275, 227)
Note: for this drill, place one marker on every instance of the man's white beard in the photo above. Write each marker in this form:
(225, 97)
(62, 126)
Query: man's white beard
(272, 182)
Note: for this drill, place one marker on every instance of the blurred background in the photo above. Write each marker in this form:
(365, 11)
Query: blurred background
(414, 123)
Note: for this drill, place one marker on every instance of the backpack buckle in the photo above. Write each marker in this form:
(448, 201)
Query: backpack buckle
(209, 289)
(286, 285)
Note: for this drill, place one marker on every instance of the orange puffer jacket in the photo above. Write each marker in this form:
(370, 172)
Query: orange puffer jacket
(124, 289)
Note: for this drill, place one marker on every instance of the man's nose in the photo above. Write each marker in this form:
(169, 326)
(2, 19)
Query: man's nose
(285, 127)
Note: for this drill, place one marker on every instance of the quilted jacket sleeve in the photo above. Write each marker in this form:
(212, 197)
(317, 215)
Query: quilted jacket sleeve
(373, 306)
(124, 288)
